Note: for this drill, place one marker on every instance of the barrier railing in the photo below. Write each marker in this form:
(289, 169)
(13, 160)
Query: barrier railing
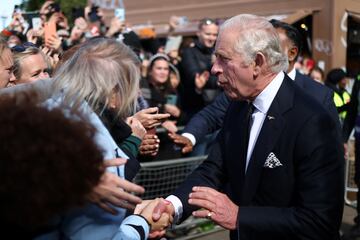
(350, 186)
(161, 178)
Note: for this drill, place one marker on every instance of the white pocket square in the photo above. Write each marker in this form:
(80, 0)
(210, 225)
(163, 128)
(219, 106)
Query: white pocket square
(272, 161)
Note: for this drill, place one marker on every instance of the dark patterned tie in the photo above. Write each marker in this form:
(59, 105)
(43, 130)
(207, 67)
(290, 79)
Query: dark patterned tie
(247, 126)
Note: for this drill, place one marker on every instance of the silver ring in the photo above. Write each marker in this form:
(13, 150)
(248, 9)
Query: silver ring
(208, 216)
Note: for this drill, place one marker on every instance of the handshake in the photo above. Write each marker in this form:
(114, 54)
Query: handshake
(159, 214)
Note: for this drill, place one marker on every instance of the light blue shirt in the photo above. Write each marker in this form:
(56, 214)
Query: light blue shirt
(92, 222)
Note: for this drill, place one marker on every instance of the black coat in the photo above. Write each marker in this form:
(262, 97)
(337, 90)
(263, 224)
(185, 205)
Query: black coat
(195, 60)
(303, 198)
(211, 117)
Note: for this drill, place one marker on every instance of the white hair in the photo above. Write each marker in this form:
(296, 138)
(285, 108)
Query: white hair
(256, 34)
(97, 70)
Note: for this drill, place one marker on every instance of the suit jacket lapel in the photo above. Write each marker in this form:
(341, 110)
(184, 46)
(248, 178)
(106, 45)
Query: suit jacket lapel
(299, 80)
(268, 137)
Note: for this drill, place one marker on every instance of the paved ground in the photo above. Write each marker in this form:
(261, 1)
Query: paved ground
(349, 214)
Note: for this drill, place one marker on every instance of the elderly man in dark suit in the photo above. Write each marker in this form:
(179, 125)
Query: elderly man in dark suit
(276, 170)
(211, 117)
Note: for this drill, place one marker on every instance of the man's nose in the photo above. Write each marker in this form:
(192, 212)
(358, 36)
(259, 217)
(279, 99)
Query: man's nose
(216, 69)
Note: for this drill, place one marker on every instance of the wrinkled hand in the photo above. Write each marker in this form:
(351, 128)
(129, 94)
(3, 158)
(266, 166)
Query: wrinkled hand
(149, 145)
(149, 117)
(223, 211)
(114, 190)
(172, 109)
(137, 128)
(170, 126)
(201, 79)
(182, 141)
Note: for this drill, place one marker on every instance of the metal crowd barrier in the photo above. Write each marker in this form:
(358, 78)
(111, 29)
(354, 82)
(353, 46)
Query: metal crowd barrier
(161, 178)
(350, 186)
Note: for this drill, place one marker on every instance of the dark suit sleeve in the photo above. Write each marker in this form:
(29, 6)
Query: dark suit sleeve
(209, 119)
(316, 210)
(350, 119)
(209, 174)
(330, 105)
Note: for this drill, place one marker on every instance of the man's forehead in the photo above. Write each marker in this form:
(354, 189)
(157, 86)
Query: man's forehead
(225, 41)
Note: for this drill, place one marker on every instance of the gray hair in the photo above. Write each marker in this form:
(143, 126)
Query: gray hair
(256, 34)
(97, 70)
(20, 56)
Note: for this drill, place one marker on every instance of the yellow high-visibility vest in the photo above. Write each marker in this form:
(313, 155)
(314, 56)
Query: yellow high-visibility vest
(340, 101)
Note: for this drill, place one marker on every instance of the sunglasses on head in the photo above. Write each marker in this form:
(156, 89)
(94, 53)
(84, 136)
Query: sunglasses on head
(23, 47)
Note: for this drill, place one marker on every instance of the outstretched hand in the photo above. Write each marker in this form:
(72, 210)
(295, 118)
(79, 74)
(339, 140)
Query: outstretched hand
(114, 190)
(150, 117)
(160, 210)
(182, 141)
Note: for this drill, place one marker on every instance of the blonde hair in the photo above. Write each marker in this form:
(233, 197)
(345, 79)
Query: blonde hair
(256, 34)
(3, 46)
(97, 70)
(20, 56)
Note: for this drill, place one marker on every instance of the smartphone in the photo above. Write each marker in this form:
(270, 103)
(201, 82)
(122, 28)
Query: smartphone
(50, 30)
(93, 14)
(120, 14)
(183, 20)
(36, 23)
(171, 99)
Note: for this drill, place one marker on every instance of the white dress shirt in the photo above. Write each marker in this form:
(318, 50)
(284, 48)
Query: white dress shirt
(262, 104)
(292, 74)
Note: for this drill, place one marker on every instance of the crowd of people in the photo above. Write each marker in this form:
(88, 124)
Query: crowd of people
(80, 108)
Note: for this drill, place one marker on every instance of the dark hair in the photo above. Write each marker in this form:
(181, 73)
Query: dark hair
(317, 69)
(291, 33)
(335, 76)
(155, 58)
(93, 14)
(48, 163)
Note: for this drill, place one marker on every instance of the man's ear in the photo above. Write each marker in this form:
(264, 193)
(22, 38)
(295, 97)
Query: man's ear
(292, 53)
(258, 63)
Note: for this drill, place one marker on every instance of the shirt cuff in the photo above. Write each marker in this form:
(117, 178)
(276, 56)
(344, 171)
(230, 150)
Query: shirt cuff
(130, 224)
(175, 201)
(190, 137)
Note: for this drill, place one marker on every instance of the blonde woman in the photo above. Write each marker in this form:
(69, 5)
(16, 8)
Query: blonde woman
(30, 64)
(102, 74)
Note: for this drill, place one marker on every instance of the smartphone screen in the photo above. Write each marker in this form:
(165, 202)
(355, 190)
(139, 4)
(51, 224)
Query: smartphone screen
(171, 99)
(36, 23)
(120, 14)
